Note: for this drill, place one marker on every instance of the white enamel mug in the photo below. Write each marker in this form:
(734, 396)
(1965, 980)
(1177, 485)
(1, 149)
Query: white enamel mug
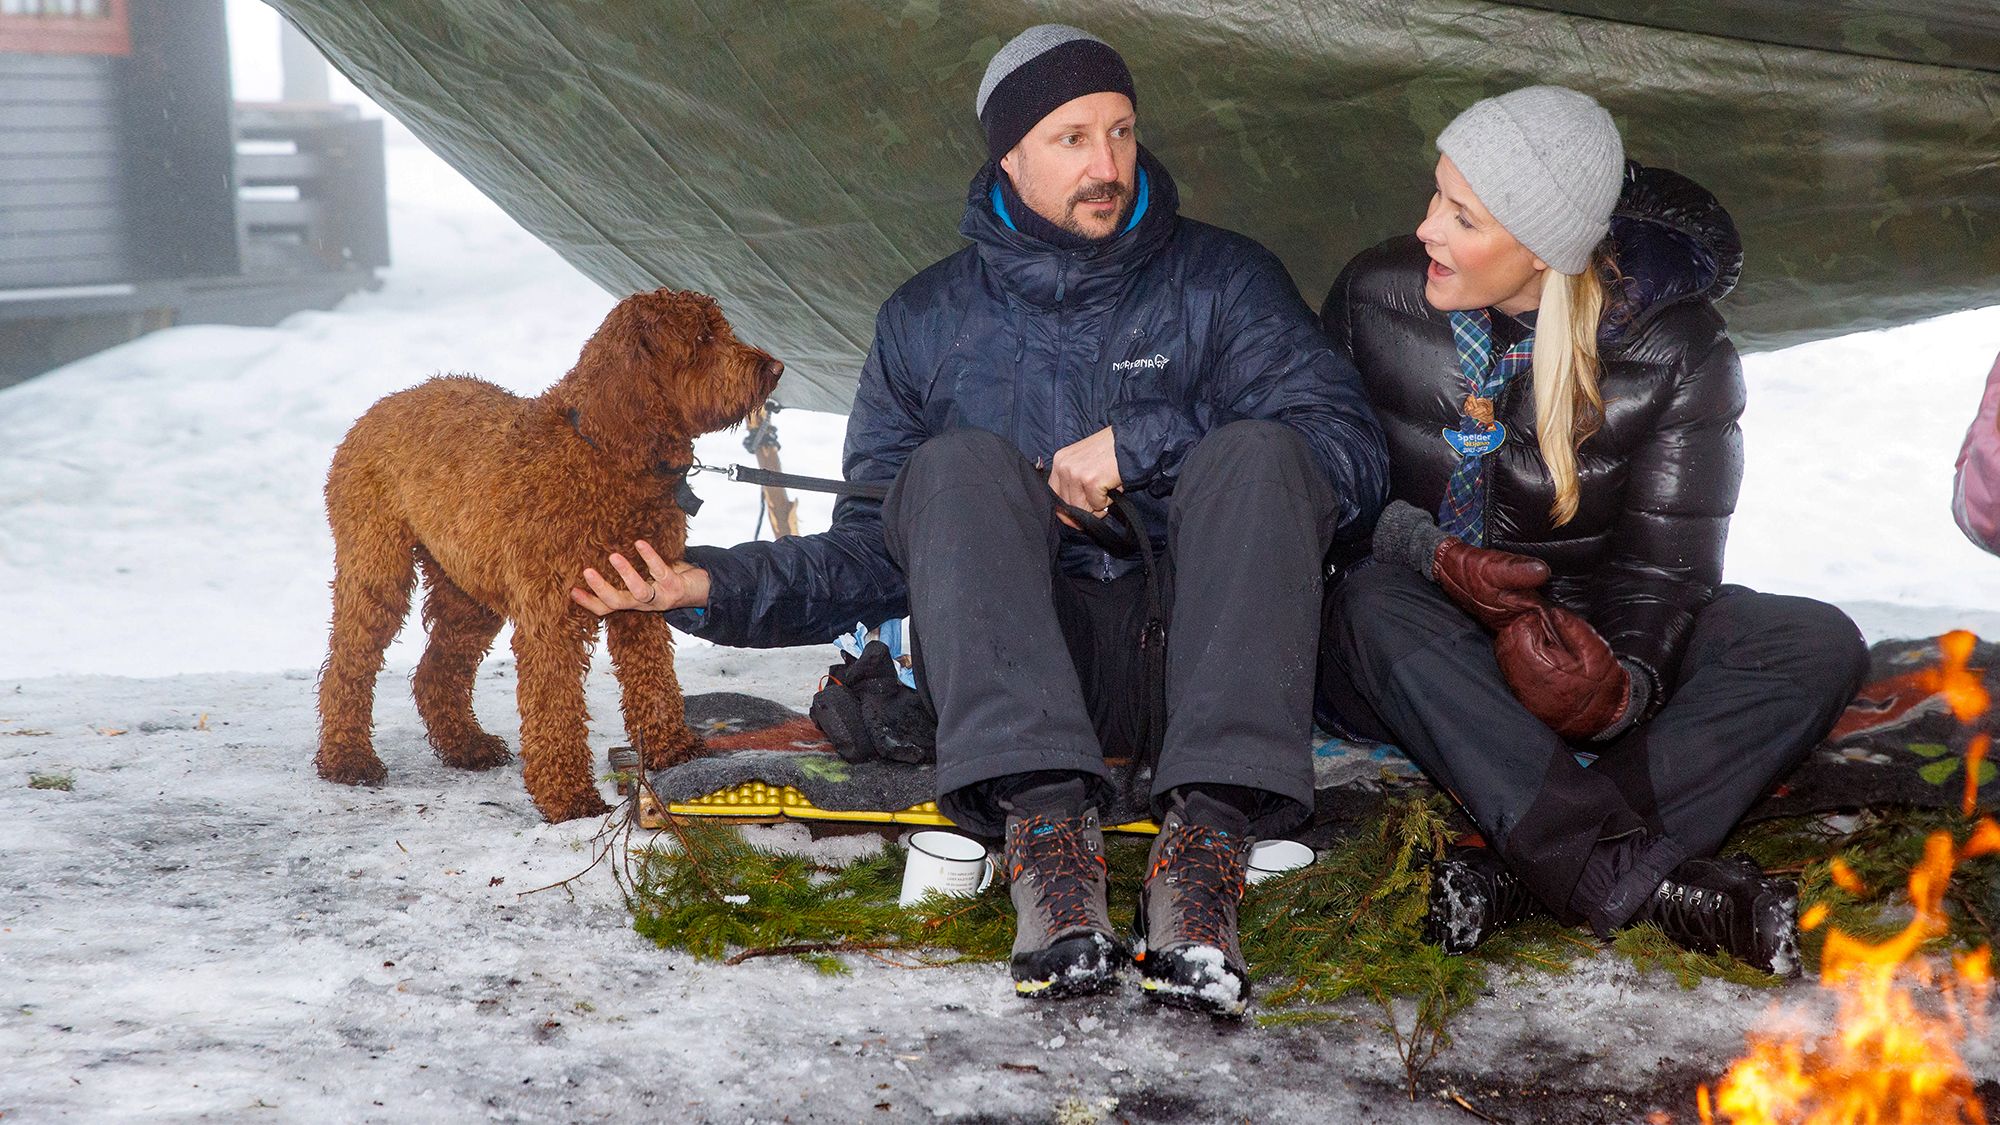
(944, 861)
(1272, 858)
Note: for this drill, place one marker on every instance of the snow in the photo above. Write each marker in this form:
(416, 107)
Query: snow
(1216, 986)
(200, 928)
(1850, 445)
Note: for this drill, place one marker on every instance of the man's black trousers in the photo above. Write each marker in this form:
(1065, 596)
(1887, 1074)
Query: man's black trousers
(1763, 678)
(1033, 670)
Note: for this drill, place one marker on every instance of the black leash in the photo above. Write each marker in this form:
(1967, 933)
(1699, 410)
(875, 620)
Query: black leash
(1153, 638)
(744, 474)
(1119, 535)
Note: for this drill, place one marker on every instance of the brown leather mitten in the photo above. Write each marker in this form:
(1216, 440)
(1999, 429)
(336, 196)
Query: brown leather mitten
(1563, 672)
(1494, 586)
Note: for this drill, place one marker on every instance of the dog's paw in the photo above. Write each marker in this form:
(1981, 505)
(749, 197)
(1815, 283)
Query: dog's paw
(586, 804)
(686, 745)
(480, 751)
(351, 769)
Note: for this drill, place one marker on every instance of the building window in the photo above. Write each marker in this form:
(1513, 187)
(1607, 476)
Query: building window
(65, 27)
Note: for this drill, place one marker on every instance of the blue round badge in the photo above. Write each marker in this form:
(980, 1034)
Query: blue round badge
(1476, 442)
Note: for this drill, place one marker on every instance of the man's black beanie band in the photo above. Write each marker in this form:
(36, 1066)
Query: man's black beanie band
(1039, 86)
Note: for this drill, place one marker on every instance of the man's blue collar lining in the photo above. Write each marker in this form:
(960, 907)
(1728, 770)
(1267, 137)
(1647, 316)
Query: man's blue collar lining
(1138, 210)
(1000, 205)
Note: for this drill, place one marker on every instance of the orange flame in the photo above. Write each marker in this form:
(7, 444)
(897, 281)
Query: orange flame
(1845, 878)
(1814, 915)
(1892, 1057)
(1963, 688)
(1974, 755)
(1985, 839)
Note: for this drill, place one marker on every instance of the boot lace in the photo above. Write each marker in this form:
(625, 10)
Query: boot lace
(1512, 901)
(1698, 917)
(1206, 865)
(1065, 867)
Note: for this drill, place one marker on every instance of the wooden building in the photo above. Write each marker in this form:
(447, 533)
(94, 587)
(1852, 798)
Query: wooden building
(134, 194)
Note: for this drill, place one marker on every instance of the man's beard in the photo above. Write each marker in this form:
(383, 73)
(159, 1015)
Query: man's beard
(1095, 191)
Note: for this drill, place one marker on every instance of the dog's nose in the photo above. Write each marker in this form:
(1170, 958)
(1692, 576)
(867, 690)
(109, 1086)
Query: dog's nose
(773, 369)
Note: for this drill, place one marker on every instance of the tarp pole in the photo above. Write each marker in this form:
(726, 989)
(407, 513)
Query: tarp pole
(763, 441)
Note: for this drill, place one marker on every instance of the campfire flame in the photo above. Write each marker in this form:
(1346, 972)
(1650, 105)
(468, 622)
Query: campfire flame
(1961, 687)
(1964, 690)
(1892, 1055)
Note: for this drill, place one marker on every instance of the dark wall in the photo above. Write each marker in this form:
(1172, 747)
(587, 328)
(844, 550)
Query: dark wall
(119, 169)
(63, 211)
(178, 159)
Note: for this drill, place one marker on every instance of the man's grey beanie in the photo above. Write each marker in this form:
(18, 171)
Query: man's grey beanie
(1038, 71)
(1548, 163)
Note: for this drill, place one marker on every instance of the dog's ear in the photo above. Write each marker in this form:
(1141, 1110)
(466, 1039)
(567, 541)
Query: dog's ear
(625, 391)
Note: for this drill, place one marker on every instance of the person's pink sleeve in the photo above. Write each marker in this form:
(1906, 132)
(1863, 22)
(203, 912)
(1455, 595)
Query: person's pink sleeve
(1975, 497)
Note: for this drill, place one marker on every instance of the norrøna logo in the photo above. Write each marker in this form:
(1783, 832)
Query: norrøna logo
(1150, 363)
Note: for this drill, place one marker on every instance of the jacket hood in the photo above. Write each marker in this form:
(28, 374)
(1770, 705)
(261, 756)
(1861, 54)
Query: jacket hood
(1674, 240)
(1048, 276)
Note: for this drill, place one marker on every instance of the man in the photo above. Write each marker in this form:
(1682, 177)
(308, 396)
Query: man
(1091, 330)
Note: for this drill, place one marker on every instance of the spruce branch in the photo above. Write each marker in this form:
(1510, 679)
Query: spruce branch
(803, 947)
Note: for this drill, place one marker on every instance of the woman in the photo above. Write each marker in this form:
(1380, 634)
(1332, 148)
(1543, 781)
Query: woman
(1975, 493)
(1560, 402)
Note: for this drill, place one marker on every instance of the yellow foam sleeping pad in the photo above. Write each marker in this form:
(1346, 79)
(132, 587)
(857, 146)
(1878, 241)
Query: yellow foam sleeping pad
(758, 800)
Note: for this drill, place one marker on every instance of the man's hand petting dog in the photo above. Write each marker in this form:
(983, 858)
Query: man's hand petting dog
(675, 585)
(1084, 474)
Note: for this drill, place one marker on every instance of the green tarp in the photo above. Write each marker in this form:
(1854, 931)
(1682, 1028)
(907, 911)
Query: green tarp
(801, 160)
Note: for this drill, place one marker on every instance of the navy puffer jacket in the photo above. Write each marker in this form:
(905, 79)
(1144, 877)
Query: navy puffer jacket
(1164, 333)
(1658, 481)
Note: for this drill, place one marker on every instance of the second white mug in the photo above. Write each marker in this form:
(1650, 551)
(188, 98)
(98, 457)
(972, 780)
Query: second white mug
(944, 861)
(1272, 858)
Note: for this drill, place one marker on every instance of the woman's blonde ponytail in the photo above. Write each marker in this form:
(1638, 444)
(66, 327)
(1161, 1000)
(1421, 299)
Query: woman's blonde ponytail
(1568, 406)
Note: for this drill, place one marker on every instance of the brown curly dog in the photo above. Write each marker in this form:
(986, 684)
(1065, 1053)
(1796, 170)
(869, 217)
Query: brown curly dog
(501, 502)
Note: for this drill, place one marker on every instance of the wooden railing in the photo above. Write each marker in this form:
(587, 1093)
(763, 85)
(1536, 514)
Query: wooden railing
(311, 193)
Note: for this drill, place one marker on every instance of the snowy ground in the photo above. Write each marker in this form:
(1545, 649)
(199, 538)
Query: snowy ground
(202, 929)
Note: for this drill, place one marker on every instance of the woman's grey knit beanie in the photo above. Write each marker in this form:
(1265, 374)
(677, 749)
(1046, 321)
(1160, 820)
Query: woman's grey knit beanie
(1548, 163)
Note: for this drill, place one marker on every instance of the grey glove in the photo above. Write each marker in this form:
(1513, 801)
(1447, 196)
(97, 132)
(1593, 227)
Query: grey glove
(1407, 536)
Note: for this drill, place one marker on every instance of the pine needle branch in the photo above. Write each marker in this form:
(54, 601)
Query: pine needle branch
(797, 948)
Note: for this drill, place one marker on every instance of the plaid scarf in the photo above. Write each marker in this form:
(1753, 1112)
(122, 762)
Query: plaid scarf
(1463, 510)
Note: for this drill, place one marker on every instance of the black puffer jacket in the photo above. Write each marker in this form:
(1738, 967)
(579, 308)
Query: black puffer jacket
(1658, 482)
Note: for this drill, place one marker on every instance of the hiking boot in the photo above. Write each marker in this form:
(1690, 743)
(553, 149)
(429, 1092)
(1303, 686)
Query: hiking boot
(1472, 896)
(1186, 945)
(1063, 941)
(1730, 905)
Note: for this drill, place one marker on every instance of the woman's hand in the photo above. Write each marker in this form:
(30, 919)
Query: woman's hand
(1563, 672)
(675, 585)
(1497, 587)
